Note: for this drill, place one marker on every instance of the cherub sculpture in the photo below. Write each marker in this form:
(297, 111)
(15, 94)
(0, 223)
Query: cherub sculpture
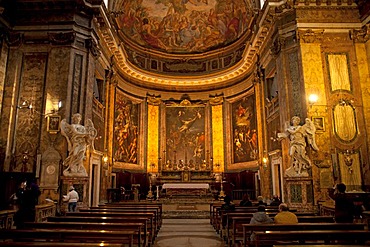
(299, 137)
(78, 138)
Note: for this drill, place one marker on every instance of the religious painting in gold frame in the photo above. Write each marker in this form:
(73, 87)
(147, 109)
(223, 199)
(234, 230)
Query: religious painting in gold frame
(319, 123)
(244, 125)
(53, 124)
(126, 129)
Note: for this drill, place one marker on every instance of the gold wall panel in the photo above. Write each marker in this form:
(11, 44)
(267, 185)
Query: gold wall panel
(312, 71)
(345, 125)
(338, 72)
(153, 138)
(218, 138)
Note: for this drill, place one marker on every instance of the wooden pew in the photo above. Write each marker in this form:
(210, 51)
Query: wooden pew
(124, 237)
(248, 228)
(157, 220)
(58, 244)
(127, 207)
(141, 239)
(152, 226)
(235, 221)
(315, 236)
(148, 232)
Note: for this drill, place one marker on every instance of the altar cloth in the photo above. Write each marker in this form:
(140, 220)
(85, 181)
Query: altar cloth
(185, 186)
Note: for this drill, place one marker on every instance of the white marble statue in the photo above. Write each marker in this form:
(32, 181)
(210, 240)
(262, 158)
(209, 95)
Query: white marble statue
(78, 137)
(299, 137)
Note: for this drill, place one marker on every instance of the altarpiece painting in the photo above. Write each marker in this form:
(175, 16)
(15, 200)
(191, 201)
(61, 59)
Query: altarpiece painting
(244, 126)
(125, 136)
(185, 136)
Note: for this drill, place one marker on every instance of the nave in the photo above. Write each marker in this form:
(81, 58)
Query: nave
(187, 233)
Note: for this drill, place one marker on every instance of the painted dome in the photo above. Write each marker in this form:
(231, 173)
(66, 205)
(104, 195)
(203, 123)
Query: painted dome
(183, 26)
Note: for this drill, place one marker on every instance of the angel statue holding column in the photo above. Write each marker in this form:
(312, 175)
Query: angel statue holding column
(299, 136)
(78, 137)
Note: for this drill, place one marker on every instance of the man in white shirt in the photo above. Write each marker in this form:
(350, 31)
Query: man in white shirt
(72, 199)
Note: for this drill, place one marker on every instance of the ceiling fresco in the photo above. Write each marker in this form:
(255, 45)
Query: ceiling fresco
(183, 26)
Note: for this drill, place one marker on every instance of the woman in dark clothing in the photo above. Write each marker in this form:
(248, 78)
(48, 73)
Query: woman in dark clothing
(245, 201)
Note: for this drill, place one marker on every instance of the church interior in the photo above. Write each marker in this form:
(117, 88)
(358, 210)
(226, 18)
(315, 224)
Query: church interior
(185, 103)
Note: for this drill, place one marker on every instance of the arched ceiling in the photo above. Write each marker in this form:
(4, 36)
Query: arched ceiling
(183, 26)
(183, 43)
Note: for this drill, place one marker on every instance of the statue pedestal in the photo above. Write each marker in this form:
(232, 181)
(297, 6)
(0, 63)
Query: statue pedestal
(299, 193)
(81, 185)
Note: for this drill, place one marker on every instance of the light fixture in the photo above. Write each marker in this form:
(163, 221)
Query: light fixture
(312, 99)
(60, 104)
(25, 104)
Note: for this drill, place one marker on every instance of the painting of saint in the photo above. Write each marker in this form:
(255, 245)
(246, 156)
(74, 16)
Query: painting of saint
(180, 26)
(185, 138)
(125, 138)
(244, 126)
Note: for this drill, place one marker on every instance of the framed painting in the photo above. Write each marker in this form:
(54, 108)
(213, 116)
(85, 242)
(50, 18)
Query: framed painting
(53, 124)
(319, 123)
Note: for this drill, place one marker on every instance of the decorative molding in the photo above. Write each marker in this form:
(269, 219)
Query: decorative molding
(311, 36)
(93, 47)
(66, 38)
(360, 35)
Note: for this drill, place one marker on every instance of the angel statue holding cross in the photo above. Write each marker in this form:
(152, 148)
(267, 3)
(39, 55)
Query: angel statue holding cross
(78, 137)
(299, 136)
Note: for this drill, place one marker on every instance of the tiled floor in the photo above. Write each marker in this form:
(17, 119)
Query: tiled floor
(187, 233)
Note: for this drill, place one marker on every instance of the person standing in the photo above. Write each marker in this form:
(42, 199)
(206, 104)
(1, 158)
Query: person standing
(344, 207)
(284, 216)
(72, 199)
(28, 199)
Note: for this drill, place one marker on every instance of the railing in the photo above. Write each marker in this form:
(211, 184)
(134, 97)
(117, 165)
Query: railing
(43, 211)
(238, 194)
(6, 219)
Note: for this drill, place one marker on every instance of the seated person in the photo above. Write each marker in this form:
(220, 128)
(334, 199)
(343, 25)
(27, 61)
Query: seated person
(228, 205)
(275, 201)
(284, 216)
(260, 217)
(245, 201)
(260, 201)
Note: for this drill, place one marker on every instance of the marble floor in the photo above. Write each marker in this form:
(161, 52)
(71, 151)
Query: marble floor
(187, 233)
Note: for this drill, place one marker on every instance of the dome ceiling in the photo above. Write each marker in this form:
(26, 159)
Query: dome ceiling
(168, 38)
(183, 26)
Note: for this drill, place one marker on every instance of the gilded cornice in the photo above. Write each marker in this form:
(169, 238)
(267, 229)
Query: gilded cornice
(360, 35)
(216, 99)
(154, 99)
(310, 36)
(326, 12)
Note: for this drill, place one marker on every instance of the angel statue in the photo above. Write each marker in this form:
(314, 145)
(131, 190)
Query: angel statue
(78, 138)
(299, 137)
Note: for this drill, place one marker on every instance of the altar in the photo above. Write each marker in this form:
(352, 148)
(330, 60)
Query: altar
(185, 189)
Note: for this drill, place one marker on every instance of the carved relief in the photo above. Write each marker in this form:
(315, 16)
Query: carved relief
(310, 36)
(62, 38)
(50, 168)
(360, 35)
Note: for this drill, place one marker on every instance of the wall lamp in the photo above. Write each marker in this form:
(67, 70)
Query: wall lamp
(25, 104)
(312, 99)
